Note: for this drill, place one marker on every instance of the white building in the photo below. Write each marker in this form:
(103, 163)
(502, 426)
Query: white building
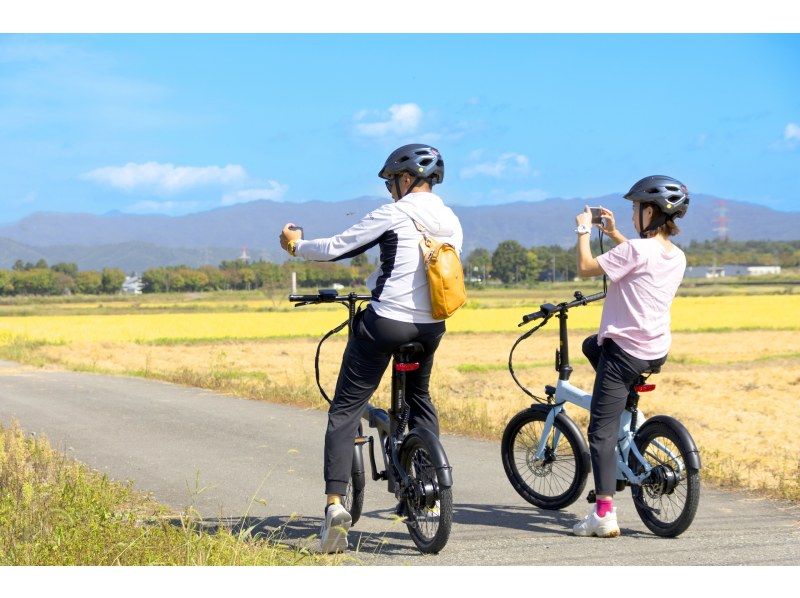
(730, 270)
(133, 285)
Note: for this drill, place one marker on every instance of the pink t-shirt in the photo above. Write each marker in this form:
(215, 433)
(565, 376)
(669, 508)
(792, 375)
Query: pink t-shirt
(644, 280)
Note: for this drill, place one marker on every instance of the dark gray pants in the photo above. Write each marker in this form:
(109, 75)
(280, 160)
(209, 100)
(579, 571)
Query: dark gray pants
(366, 356)
(617, 371)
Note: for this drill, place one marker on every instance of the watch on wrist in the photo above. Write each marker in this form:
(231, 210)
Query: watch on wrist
(583, 229)
(291, 245)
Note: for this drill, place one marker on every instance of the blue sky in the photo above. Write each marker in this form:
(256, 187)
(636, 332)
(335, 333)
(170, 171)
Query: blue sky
(175, 124)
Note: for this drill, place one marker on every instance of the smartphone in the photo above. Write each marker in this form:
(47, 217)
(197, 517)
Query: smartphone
(300, 228)
(596, 217)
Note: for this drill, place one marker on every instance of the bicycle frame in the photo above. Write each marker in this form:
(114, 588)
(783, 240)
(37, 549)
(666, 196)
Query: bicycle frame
(565, 392)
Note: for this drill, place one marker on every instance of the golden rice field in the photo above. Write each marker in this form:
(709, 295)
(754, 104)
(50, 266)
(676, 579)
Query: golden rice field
(781, 312)
(733, 376)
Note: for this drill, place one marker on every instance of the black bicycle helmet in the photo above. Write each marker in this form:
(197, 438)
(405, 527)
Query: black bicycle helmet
(422, 161)
(669, 194)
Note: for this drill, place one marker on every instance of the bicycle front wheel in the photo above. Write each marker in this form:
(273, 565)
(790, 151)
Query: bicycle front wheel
(667, 499)
(353, 499)
(429, 515)
(558, 477)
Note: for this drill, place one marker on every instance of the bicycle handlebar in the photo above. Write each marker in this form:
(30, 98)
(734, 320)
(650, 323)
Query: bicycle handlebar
(548, 309)
(328, 296)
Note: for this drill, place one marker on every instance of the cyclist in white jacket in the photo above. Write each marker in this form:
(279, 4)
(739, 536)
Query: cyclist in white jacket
(399, 312)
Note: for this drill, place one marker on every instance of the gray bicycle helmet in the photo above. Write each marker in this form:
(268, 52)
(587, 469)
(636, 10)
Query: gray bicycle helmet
(423, 162)
(670, 195)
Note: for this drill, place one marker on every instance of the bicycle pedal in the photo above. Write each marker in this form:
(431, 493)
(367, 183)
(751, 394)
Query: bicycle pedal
(591, 497)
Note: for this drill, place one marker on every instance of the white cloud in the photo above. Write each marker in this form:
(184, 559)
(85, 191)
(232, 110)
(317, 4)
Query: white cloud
(402, 119)
(165, 178)
(506, 164)
(274, 191)
(163, 207)
(792, 132)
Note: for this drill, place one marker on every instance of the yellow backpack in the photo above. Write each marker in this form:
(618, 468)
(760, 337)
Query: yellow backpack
(445, 275)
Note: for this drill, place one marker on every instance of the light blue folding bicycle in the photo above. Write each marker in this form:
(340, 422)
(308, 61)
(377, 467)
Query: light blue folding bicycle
(547, 460)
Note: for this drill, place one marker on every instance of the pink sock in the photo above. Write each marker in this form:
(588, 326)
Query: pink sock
(603, 506)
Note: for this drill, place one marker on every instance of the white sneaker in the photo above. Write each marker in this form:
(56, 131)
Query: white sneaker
(602, 527)
(333, 534)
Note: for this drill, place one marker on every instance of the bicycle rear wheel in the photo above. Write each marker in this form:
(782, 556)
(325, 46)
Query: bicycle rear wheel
(667, 500)
(558, 478)
(429, 515)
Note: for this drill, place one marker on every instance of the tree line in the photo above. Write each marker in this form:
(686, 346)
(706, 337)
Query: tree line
(27, 278)
(509, 263)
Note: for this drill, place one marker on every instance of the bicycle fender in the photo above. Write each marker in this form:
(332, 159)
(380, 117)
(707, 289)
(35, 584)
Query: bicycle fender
(566, 421)
(693, 456)
(357, 471)
(444, 472)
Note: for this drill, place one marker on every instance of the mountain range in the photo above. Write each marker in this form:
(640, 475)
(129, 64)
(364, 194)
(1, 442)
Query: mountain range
(136, 242)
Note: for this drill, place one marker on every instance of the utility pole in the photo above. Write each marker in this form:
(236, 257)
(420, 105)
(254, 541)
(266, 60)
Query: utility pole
(553, 269)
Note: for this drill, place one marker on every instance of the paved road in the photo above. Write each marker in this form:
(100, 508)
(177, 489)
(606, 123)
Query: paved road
(166, 438)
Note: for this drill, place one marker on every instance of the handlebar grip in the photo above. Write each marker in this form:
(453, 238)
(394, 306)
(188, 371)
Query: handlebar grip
(595, 297)
(534, 316)
(296, 298)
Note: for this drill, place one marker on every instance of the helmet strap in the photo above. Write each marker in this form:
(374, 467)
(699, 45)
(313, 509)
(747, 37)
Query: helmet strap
(653, 225)
(417, 180)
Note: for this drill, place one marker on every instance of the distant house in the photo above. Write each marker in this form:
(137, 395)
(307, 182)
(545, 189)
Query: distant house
(729, 270)
(133, 285)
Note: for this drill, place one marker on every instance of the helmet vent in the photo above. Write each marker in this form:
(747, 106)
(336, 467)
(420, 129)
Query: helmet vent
(653, 190)
(404, 159)
(673, 187)
(425, 162)
(421, 152)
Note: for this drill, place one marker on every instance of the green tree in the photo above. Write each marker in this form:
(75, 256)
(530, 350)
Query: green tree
(89, 282)
(70, 269)
(479, 263)
(36, 281)
(6, 283)
(360, 260)
(510, 261)
(112, 279)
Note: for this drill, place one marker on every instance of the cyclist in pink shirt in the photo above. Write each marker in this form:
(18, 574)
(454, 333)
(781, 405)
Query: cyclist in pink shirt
(634, 333)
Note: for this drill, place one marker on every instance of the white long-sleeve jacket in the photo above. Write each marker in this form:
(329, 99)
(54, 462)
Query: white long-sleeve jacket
(399, 286)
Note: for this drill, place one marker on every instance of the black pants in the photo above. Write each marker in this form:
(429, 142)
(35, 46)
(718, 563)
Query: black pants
(366, 356)
(617, 371)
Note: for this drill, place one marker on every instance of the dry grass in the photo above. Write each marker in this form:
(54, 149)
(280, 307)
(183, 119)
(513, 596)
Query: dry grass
(56, 511)
(735, 391)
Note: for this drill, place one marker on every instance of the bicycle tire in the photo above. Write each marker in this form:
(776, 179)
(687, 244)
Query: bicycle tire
(423, 470)
(650, 431)
(541, 474)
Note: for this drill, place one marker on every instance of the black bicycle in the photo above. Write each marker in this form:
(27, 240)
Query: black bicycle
(415, 465)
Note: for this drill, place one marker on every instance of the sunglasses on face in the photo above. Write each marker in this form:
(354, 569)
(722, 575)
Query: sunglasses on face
(388, 183)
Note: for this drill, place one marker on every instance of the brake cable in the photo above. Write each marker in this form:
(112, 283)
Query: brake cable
(329, 334)
(511, 358)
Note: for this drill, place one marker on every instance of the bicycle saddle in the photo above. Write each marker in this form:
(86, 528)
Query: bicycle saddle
(409, 349)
